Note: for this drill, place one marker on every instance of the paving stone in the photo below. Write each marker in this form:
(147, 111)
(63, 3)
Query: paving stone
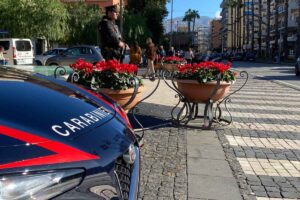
(290, 195)
(274, 194)
(258, 188)
(272, 189)
(163, 171)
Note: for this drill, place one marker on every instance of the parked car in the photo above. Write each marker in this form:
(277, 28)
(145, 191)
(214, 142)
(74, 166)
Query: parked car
(19, 51)
(70, 55)
(237, 57)
(250, 56)
(41, 59)
(63, 142)
(297, 67)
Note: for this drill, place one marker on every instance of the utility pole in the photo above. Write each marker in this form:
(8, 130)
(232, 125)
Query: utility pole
(171, 38)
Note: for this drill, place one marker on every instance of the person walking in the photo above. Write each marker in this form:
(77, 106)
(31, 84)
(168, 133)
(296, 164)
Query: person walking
(111, 42)
(3, 61)
(135, 54)
(189, 55)
(171, 52)
(161, 52)
(150, 55)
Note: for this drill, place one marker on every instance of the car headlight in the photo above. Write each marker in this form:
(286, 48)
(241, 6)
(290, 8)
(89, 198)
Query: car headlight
(298, 59)
(130, 156)
(43, 185)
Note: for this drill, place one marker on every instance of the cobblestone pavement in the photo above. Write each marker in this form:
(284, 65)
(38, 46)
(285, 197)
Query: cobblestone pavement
(263, 143)
(164, 165)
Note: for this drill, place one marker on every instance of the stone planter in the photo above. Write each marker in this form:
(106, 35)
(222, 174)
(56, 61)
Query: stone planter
(199, 93)
(123, 96)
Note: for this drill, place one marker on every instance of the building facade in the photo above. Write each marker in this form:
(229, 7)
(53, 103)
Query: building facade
(267, 27)
(215, 26)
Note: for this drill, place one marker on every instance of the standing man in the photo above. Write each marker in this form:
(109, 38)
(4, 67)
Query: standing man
(111, 42)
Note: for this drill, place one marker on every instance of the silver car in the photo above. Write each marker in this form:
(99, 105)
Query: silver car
(69, 56)
(41, 59)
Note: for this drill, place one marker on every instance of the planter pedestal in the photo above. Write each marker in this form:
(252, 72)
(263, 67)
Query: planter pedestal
(193, 95)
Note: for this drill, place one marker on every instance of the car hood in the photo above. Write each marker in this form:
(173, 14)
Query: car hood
(47, 108)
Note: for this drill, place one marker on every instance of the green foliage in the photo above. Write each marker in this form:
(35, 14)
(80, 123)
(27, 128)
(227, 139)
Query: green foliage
(152, 12)
(82, 22)
(191, 15)
(113, 80)
(34, 18)
(135, 28)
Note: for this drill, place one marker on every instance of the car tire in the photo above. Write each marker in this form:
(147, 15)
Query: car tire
(124, 175)
(297, 72)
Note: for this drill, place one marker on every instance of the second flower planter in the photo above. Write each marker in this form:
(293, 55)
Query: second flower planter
(197, 92)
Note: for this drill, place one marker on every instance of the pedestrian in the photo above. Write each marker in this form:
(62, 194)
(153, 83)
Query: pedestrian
(189, 55)
(171, 52)
(150, 55)
(135, 54)
(3, 61)
(161, 52)
(111, 42)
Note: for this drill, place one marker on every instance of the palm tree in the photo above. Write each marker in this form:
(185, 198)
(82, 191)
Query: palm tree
(188, 17)
(195, 14)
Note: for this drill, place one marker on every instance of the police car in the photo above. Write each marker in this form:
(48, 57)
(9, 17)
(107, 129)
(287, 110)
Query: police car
(58, 141)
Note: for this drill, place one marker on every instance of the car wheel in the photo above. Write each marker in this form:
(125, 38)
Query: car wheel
(38, 63)
(297, 72)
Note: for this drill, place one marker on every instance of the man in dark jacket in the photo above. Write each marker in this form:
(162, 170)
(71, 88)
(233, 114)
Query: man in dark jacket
(111, 42)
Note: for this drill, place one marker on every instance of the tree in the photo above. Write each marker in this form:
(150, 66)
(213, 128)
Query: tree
(34, 18)
(188, 17)
(195, 15)
(136, 28)
(153, 12)
(83, 30)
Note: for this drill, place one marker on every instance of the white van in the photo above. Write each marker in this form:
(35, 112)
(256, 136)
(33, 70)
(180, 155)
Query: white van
(18, 51)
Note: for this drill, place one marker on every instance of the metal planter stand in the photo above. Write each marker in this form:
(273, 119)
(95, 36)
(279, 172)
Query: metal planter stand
(212, 110)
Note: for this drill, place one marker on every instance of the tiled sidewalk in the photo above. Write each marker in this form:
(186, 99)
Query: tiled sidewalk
(265, 139)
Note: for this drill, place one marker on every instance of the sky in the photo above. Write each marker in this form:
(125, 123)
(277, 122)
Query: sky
(210, 8)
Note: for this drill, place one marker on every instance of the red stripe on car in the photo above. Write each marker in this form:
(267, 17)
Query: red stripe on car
(63, 153)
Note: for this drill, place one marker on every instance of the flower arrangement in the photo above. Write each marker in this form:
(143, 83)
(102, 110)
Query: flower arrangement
(206, 71)
(105, 74)
(173, 60)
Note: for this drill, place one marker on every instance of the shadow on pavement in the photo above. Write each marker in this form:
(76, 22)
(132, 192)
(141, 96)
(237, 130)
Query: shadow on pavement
(151, 115)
